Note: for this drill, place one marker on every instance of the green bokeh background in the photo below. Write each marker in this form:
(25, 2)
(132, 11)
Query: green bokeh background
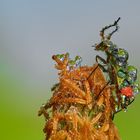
(18, 110)
(31, 32)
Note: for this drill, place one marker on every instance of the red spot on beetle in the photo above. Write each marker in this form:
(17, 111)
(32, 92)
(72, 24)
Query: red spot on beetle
(127, 91)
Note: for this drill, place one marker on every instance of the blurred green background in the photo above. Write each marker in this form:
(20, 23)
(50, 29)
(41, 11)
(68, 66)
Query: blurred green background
(31, 31)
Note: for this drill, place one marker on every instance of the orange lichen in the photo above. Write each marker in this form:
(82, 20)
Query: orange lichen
(82, 105)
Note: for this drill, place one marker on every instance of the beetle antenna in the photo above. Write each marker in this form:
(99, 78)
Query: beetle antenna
(107, 27)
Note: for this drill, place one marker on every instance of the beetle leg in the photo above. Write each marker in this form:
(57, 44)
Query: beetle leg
(99, 58)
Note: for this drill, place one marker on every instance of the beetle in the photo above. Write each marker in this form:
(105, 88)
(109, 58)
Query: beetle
(121, 75)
